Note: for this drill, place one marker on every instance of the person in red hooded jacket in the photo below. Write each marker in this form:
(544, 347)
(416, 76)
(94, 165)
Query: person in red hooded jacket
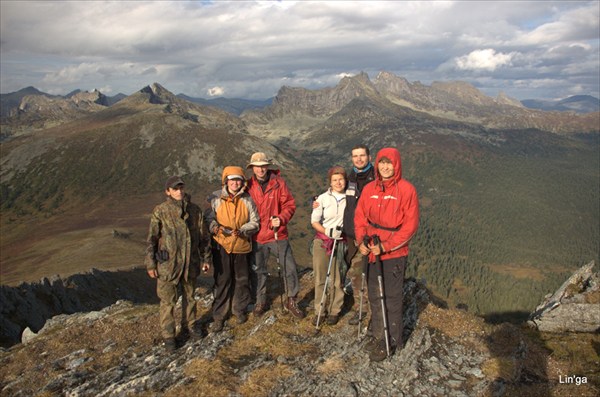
(389, 209)
(276, 207)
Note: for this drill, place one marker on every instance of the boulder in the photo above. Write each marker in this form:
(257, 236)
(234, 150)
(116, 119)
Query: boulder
(574, 307)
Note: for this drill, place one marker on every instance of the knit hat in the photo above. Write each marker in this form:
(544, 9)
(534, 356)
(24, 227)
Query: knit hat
(259, 159)
(336, 169)
(232, 172)
(173, 181)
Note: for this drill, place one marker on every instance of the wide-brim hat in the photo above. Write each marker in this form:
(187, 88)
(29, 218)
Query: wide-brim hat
(259, 159)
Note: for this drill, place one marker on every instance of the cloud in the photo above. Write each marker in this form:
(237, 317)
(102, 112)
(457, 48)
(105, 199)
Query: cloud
(250, 49)
(216, 91)
(487, 59)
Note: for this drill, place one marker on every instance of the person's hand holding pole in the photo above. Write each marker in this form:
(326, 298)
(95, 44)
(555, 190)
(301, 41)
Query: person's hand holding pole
(275, 223)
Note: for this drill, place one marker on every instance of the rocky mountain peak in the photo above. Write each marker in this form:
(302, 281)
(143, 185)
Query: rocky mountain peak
(94, 96)
(386, 81)
(157, 94)
(502, 98)
(463, 90)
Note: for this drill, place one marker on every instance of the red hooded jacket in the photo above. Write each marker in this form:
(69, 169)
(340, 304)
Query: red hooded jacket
(388, 209)
(276, 200)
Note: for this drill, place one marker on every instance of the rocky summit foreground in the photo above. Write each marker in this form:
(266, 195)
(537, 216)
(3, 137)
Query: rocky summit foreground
(116, 351)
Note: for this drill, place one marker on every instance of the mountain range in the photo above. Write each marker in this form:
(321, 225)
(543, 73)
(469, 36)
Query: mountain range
(508, 194)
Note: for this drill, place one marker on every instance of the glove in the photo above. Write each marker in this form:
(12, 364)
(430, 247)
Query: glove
(162, 256)
(334, 233)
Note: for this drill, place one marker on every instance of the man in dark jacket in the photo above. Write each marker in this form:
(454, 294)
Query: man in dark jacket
(361, 174)
(177, 242)
(276, 206)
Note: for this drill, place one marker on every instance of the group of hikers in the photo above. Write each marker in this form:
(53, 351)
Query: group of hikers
(363, 224)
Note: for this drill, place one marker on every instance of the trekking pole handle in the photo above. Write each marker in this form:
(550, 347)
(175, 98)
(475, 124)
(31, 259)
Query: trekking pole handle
(376, 240)
(275, 228)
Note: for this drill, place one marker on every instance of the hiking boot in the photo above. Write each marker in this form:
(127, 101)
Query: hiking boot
(259, 309)
(170, 345)
(379, 353)
(217, 326)
(332, 320)
(191, 334)
(371, 344)
(241, 318)
(293, 308)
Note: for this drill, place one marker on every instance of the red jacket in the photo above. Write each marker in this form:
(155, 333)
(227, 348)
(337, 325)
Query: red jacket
(276, 200)
(392, 205)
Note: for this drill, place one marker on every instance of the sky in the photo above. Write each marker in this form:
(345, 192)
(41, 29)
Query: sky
(250, 49)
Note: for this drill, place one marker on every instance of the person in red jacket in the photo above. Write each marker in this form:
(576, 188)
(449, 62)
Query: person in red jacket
(276, 207)
(389, 209)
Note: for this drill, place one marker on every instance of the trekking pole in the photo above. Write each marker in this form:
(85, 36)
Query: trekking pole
(326, 282)
(362, 289)
(386, 330)
(283, 278)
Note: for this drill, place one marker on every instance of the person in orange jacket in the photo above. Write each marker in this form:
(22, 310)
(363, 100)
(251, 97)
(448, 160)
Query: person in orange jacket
(389, 209)
(233, 219)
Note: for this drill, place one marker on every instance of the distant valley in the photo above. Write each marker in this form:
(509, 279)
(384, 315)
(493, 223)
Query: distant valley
(509, 195)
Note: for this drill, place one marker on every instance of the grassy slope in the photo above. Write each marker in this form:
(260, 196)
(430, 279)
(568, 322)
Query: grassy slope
(500, 228)
(499, 233)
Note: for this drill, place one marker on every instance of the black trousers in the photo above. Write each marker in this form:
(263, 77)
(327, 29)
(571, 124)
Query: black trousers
(232, 283)
(393, 284)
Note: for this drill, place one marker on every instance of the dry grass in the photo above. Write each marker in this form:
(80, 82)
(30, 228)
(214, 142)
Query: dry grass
(211, 378)
(262, 380)
(32, 364)
(332, 366)
(500, 368)
(456, 324)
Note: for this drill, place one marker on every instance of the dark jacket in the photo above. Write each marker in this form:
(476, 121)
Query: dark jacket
(356, 183)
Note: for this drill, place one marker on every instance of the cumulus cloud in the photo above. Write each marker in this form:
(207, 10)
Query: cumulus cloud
(216, 91)
(487, 59)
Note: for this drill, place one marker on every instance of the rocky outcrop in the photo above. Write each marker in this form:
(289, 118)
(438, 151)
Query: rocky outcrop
(29, 305)
(426, 357)
(116, 351)
(574, 307)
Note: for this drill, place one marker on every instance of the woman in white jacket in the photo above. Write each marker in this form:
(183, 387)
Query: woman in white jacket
(327, 218)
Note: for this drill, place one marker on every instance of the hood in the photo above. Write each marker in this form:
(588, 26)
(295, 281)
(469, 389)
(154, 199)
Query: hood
(232, 170)
(394, 155)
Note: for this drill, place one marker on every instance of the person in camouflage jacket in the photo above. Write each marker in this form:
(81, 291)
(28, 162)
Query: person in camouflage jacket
(178, 242)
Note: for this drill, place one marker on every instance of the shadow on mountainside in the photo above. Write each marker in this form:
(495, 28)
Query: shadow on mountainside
(527, 362)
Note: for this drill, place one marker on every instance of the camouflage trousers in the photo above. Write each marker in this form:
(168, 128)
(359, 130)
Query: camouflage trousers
(167, 293)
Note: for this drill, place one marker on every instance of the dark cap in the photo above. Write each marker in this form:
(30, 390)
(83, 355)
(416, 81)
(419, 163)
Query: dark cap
(173, 181)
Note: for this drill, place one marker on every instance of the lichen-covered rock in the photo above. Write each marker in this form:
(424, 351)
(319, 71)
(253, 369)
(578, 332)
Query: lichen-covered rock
(574, 307)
